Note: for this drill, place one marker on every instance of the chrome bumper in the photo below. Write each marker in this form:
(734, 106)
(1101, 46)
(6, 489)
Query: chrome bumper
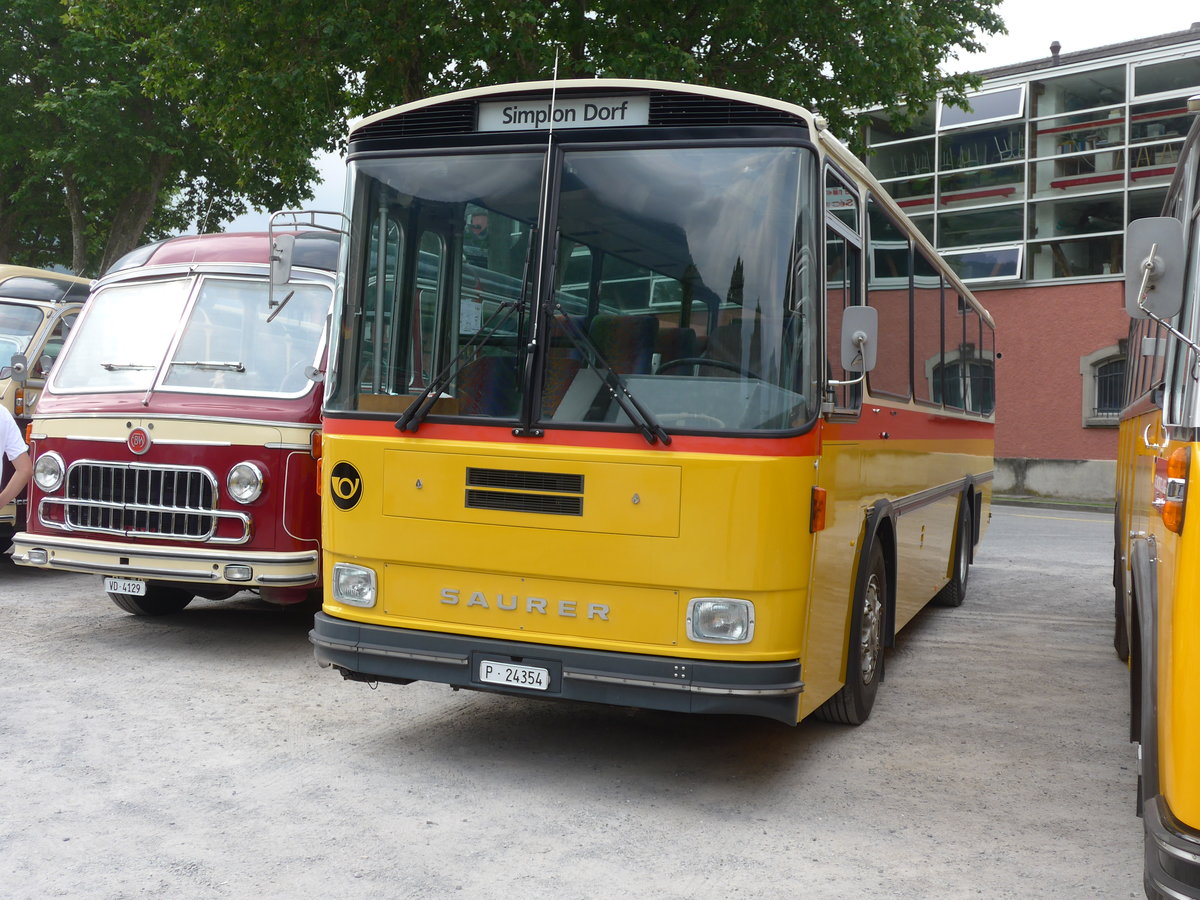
(187, 563)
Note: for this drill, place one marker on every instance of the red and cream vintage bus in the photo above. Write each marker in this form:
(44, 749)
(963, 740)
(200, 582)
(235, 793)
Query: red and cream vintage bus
(37, 309)
(175, 443)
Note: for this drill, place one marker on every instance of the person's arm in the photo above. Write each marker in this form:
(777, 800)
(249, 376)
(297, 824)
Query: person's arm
(22, 470)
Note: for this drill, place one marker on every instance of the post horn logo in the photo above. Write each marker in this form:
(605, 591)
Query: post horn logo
(345, 486)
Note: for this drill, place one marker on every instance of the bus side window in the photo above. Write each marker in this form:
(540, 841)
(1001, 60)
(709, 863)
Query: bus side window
(890, 262)
(927, 330)
(53, 346)
(841, 290)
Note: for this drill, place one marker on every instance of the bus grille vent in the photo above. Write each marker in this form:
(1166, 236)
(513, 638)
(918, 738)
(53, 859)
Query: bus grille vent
(549, 493)
(448, 118)
(690, 109)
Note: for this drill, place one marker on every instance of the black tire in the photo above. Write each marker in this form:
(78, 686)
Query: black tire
(851, 705)
(158, 601)
(1120, 626)
(955, 590)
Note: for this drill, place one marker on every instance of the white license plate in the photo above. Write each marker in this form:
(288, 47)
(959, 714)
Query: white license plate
(132, 586)
(513, 675)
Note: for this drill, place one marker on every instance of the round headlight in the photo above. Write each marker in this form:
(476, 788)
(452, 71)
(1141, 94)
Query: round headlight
(245, 482)
(48, 472)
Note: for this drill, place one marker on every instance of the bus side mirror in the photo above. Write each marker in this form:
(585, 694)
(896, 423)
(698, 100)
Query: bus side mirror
(860, 338)
(17, 370)
(1154, 268)
(282, 248)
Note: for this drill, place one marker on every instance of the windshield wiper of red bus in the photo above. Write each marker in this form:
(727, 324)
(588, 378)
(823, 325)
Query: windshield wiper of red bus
(210, 364)
(641, 417)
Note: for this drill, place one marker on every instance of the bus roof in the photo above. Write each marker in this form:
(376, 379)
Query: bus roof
(776, 112)
(592, 85)
(25, 283)
(313, 250)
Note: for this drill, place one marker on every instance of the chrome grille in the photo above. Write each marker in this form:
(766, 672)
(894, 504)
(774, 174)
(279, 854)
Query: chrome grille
(140, 500)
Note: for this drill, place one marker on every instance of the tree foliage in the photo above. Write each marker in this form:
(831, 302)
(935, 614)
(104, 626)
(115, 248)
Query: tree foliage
(150, 113)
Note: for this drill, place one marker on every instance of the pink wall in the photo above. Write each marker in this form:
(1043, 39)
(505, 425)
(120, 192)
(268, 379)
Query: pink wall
(1041, 334)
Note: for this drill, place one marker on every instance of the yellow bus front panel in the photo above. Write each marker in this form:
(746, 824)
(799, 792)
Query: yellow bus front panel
(448, 560)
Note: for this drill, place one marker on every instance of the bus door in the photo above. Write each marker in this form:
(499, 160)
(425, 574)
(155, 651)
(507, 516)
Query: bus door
(840, 462)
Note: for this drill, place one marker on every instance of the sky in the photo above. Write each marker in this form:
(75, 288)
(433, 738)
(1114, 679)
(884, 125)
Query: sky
(1033, 25)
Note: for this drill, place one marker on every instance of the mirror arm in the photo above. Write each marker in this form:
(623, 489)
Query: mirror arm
(859, 339)
(1192, 345)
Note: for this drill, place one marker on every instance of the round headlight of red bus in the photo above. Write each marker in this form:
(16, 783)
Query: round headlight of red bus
(245, 482)
(48, 472)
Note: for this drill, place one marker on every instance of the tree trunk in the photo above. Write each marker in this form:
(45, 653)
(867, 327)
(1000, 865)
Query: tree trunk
(79, 242)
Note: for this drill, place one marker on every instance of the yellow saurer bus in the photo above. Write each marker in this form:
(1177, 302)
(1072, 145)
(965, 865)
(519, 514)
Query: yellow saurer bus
(599, 424)
(1157, 548)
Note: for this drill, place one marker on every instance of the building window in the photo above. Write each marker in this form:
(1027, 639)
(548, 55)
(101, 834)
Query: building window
(986, 106)
(986, 263)
(1103, 374)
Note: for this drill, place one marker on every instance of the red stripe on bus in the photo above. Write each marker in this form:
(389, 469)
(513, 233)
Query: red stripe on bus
(798, 445)
(887, 424)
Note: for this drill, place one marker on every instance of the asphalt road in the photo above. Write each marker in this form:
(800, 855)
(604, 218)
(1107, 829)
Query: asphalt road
(206, 755)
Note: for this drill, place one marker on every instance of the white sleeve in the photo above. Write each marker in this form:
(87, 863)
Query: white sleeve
(11, 441)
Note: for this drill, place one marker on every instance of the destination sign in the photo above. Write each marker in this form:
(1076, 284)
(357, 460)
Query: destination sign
(542, 115)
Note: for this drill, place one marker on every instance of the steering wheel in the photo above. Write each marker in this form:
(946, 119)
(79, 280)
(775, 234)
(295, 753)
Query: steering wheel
(705, 361)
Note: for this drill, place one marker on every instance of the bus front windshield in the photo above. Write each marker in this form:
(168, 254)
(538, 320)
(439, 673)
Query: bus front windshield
(681, 275)
(18, 324)
(208, 335)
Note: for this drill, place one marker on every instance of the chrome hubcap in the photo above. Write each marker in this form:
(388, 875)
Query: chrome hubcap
(871, 634)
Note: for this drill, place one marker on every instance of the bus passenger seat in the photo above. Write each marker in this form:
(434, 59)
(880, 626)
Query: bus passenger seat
(488, 387)
(675, 343)
(625, 342)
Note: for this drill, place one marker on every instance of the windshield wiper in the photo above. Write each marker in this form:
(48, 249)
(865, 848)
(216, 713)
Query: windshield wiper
(121, 367)
(641, 417)
(411, 418)
(210, 364)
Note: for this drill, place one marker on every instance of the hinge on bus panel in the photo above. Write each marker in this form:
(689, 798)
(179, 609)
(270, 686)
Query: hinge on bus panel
(528, 432)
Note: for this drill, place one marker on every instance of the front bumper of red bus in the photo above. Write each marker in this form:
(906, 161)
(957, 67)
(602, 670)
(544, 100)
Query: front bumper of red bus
(176, 563)
(1172, 853)
(379, 653)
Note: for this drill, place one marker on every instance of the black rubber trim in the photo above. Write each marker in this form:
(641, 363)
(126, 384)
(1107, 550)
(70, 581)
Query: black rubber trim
(379, 653)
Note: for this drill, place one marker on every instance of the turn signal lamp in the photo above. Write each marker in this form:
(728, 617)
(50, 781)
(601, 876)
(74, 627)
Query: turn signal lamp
(816, 517)
(19, 402)
(316, 445)
(1172, 510)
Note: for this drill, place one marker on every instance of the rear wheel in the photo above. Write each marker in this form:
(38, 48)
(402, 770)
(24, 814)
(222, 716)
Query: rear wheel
(955, 591)
(1120, 626)
(851, 705)
(157, 601)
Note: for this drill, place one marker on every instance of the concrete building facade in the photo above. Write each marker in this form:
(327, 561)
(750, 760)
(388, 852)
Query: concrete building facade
(1027, 195)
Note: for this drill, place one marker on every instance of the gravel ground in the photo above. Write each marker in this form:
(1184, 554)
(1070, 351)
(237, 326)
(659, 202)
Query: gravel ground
(207, 755)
